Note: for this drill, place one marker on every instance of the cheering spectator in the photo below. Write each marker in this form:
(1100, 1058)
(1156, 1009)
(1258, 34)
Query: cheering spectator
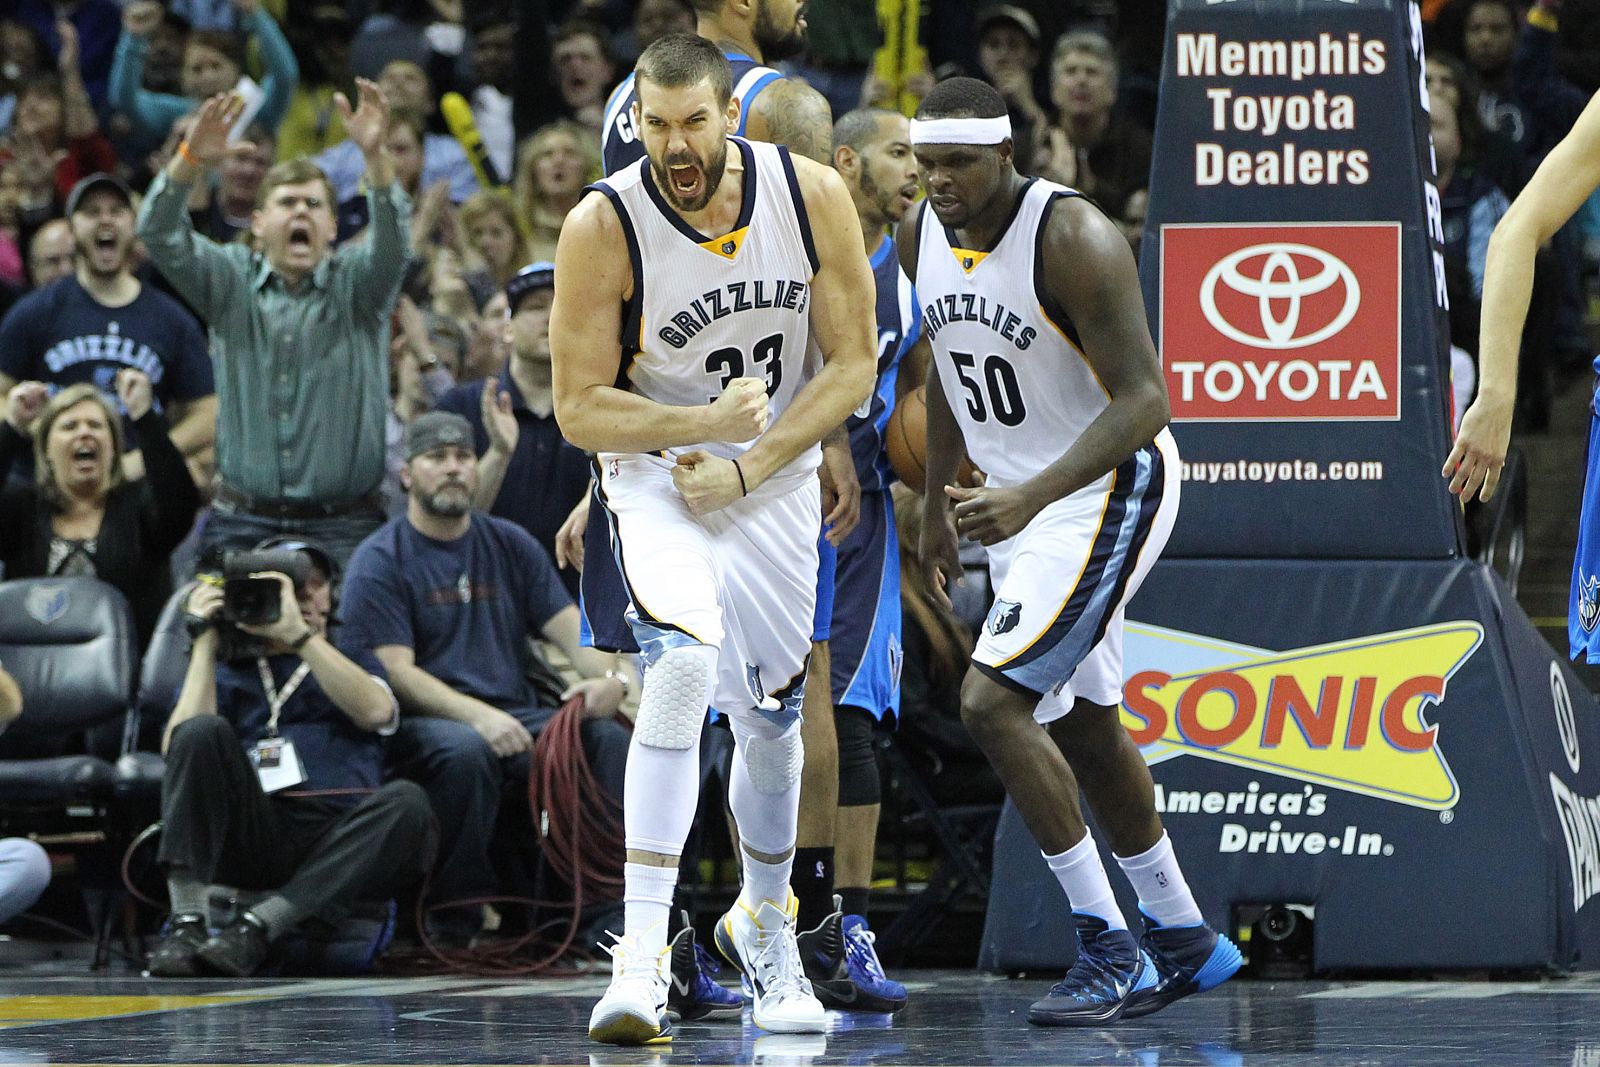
(652, 20)
(80, 516)
(23, 54)
(300, 334)
(312, 123)
(226, 208)
(553, 167)
(403, 134)
(213, 62)
(419, 377)
(581, 65)
(103, 320)
(1102, 159)
(494, 65)
(527, 472)
(407, 88)
(56, 138)
(488, 221)
(317, 716)
(489, 346)
(1008, 54)
(93, 22)
(50, 253)
(448, 599)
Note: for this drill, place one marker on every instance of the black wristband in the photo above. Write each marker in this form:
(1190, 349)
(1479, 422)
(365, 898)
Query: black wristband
(195, 625)
(300, 642)
(744, 490)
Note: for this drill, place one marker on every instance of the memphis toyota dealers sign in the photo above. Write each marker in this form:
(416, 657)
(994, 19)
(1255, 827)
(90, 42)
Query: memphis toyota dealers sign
(1281, 322)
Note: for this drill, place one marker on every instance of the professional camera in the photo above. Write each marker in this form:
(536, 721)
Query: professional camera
(255, 600)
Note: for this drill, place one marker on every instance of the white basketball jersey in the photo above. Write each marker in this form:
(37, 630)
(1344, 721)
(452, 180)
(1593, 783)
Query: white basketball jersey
(1013, 373)
(707, 310)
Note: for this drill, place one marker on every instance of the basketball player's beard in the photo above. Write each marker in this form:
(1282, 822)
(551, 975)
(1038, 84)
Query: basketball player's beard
(777, 44)
(712, 173)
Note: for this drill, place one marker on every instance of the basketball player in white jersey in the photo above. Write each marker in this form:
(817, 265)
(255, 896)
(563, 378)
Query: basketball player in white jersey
(1045, 370)
(694, 282)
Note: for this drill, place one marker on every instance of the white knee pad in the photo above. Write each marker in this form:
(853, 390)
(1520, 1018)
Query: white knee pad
(774, 762)
(677, 690)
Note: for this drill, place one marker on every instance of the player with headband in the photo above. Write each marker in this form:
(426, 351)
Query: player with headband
(1046, 373)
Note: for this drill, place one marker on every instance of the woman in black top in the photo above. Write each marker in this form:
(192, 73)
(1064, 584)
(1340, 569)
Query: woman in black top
(80, 516)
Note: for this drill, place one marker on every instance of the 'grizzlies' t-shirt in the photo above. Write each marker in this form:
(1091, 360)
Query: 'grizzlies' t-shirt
(60, 335)
(464, 607)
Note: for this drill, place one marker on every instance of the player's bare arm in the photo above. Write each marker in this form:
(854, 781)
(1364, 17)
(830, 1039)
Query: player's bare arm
(593, 278)
(842, 319)
(1567, 177)
(1090, 271)
(792, 113)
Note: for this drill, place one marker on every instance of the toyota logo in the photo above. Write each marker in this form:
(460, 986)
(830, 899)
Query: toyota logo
(1279, 278)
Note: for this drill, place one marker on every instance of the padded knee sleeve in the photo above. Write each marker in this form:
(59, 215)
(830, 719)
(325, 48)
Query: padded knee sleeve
(677, 690)
(859, 784)
(774, 763)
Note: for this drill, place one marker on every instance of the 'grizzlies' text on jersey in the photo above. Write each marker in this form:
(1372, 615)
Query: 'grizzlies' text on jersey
(1009, 359)
(899, 328)
(619, 141)
(705, 310)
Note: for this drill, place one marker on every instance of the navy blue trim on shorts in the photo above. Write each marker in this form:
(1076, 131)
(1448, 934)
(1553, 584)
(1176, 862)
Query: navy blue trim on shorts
(999, 677)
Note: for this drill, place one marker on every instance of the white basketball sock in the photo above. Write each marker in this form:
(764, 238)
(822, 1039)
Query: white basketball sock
(647, 903)
(1083, 877)
(1163, 893)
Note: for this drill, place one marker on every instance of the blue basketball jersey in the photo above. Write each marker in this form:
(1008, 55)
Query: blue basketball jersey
(899, 329)
(619, 140)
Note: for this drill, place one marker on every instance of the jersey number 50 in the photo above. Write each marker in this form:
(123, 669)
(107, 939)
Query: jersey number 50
(1005, 396)
(729, 363)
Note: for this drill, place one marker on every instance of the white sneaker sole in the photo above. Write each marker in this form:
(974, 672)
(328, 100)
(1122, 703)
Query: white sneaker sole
(624, 1026)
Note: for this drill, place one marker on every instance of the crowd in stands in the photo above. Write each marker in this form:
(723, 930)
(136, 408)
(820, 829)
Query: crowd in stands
(254, 287)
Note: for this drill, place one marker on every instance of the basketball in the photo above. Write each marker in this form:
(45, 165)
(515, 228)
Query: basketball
(906, 438)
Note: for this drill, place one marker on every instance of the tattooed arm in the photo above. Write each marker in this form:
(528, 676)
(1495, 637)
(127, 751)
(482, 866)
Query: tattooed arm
(792, 113)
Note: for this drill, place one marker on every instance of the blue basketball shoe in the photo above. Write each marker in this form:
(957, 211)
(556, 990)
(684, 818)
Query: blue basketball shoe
(1111, 970)
(1187, 959)
(694, 993)
(876, 991)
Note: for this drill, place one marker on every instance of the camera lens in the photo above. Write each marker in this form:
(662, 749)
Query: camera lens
(1279, 924)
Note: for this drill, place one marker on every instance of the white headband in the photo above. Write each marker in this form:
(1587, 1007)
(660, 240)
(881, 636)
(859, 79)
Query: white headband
(960, 131)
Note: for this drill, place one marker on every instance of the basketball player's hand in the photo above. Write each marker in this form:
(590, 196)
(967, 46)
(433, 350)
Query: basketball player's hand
(506, 736)
(989, 516)
(569, 539)
(740, 413)
(707, 483)
(841, 491)
(941, 556)
(1480, 449)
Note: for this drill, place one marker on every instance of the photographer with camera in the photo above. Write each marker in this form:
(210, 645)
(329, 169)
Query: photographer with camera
(274, 764)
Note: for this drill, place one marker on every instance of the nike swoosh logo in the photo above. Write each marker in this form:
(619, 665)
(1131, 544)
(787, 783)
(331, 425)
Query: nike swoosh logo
(680, 985)
(846, 995)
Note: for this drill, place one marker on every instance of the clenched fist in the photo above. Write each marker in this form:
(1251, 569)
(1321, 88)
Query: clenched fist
(740, 413)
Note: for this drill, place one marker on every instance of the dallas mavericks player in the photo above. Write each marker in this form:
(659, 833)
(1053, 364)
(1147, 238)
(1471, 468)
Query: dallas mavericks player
(1046, 370)
(693, 284)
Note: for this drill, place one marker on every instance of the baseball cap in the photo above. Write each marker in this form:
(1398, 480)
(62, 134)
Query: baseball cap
(437, 429)
(1013, 14)
(535, 276)
(88, 185)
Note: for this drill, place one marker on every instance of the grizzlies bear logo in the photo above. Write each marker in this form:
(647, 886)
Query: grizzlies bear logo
(1005, 615)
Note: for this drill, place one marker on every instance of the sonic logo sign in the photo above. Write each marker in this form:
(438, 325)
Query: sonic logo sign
(1281, 322)
(1352, 715)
